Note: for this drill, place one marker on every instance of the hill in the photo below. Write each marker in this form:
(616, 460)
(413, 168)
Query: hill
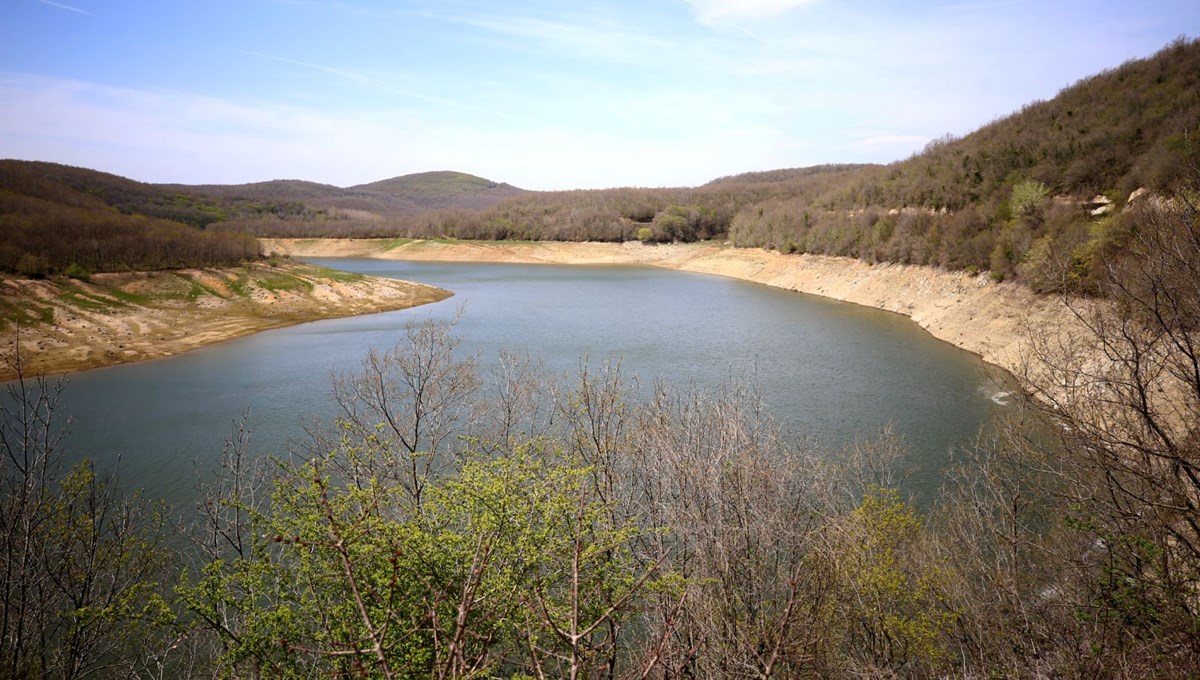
(443, 189)
(58, 219)
(49, 211)
(1047, 189)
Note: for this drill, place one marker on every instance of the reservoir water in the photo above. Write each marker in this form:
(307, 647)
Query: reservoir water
(827, 370)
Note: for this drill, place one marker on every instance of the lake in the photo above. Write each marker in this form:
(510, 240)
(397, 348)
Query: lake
(827, 370)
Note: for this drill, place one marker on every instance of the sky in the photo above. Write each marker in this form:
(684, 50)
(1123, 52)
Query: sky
(542, 94)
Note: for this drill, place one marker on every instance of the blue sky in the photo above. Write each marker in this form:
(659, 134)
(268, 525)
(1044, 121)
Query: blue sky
(542, 94)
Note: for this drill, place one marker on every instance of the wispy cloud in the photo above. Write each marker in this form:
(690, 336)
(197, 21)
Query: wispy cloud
(375, 82)
(574, 35)
(331, 70)
(714, 11)
(69, 8)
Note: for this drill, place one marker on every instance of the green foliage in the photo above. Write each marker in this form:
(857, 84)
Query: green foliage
(75, 271)
(348, 564)
(896, 609)
(83, 562)
(1026, 201)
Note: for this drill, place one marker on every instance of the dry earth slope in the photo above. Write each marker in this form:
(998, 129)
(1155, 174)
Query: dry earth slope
(66, 325)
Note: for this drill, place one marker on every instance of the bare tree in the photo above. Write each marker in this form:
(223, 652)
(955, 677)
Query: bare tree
(81, 564)
(1125, 395)
(407, 404)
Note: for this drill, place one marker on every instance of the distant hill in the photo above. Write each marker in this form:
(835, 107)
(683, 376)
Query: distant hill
(1047, 184)
(443, 189)
(57, 219)
(786, 174)
(311, 195)
(403, 195)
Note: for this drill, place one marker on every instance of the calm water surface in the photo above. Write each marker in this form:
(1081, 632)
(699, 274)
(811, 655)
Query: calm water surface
(829, 370)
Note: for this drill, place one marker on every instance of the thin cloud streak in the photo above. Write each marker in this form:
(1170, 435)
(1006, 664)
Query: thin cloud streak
(66, 7)
(378, 84)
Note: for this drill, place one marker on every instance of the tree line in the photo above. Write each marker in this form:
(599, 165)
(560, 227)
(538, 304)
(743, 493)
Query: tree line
(50, 227)
(459, 522)
(962, 203)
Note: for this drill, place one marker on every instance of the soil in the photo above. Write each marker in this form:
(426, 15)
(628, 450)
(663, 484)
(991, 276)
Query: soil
(64, 325)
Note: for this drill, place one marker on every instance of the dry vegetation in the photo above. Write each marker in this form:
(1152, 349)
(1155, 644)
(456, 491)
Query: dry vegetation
(454, 522)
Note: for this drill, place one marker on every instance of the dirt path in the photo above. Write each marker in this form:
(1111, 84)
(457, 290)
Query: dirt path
(69, 325)
(973, 312)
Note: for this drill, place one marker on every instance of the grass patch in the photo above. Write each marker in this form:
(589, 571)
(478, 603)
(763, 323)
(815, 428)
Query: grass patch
(396, 243)
(239, 286)
(77, 297)
(482, 242)
(129, 298)
(333, 274)
(24, 314)
(196, 291)
(278, 281)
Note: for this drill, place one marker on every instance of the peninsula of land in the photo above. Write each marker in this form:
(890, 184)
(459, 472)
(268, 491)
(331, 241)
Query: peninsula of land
(62, 325)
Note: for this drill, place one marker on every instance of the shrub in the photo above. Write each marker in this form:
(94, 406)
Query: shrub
(75, 271)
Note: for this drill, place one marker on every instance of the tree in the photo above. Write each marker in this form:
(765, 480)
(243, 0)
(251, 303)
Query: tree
(1026, 201)
(501, 555)
(1125, 394)
(81, 564)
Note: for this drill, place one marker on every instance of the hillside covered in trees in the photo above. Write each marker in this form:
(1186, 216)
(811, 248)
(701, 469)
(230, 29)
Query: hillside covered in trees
(57, 218)
(1041, 195)
(456, 522)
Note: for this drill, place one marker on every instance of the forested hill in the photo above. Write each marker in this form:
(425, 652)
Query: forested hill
(1040, 195)
(443, 189)
(1046, 188)
(1046, 184)
(56, 218)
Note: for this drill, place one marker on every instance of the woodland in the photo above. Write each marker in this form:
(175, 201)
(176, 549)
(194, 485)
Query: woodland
(456, 521)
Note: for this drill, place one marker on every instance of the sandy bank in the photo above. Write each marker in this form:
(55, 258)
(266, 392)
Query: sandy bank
(972, 312)
(68, 325)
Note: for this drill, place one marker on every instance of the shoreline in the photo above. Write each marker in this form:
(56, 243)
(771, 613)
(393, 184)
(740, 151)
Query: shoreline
(972, 312)
(68, 325)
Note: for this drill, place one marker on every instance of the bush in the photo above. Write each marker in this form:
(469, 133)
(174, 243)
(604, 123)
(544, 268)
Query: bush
(75, 271)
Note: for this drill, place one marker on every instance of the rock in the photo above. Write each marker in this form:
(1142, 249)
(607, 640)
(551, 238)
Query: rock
(1101, 204)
